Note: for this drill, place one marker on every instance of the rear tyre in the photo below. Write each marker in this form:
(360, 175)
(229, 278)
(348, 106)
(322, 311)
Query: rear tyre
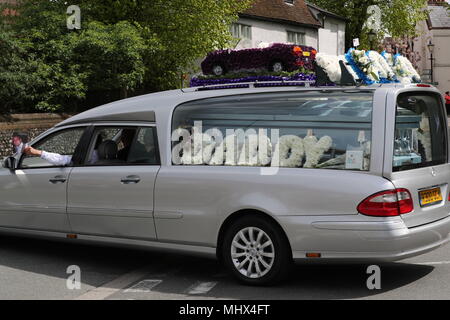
(277, 66)
(256, 252)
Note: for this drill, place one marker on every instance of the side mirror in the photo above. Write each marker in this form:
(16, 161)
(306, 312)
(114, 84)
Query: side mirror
(10, 163)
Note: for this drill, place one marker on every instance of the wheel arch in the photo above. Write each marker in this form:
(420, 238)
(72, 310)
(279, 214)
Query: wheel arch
(242, 213)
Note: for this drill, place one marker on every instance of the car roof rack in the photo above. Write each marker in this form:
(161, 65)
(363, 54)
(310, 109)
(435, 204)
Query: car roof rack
(254, 84)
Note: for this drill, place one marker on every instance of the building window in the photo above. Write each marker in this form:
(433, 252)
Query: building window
(241, 31)
(296, 37)
(289, 1)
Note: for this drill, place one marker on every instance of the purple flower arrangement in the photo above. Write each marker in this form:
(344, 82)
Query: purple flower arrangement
(290, 56)
(300, 77)
(257, 66)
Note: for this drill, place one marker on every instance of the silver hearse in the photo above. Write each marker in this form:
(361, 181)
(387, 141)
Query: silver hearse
(258, 176)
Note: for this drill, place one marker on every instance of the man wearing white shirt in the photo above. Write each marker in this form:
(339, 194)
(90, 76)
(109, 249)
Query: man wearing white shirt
(18, 141)
(53, 158)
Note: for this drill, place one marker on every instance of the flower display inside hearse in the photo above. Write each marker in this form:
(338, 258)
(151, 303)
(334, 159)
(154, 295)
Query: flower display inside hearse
(254, 150)
(424, 136)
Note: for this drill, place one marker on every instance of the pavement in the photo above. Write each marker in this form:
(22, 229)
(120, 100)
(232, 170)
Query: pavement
(37, 269)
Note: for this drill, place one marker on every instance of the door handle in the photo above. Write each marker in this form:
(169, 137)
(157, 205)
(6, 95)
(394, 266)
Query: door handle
(130, 179)
(58, 179)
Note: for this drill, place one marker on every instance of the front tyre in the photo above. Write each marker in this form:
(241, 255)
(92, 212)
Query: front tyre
(218, 70)
(256, 251)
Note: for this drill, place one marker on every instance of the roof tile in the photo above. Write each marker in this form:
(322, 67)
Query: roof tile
(298, 13)
(439, 17)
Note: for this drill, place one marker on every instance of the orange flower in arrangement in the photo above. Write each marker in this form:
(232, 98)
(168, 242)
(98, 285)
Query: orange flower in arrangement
(314, 52)
(297, 50)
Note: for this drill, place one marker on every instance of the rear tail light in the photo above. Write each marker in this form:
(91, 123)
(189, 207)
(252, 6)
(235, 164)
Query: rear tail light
(387, 203)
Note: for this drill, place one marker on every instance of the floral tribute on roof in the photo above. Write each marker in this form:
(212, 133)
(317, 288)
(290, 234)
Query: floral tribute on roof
(301, 65)
(269, 62)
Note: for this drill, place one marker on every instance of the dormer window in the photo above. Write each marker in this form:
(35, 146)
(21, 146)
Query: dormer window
(289, 2)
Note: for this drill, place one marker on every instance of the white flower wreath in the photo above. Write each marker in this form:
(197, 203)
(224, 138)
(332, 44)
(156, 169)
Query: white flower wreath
(330, 64)
(380, 65)
(367, 151)
(315, 149)
(288, 152)
(217, 155)
(405, 71)
(232, 148)
(424, 135)
(199, 143)
(212, 153)
(256, 151)
(248, 155)
(193, 150)
(186, 157)
(389, 58)
(223, 151)
(365, 64)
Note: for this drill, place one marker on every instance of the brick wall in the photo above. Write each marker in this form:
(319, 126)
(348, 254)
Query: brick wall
(31, 124)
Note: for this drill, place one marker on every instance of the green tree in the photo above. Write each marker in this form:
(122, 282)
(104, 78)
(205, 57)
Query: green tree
(125, 46)
(15, 71)
(398, 17)
(53, 69)
(110, 55)
(185, 30)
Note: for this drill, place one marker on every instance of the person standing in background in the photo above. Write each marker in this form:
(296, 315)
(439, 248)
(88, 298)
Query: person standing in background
(18, 141)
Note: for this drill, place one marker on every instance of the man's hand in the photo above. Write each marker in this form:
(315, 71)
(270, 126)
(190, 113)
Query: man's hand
(29, 151)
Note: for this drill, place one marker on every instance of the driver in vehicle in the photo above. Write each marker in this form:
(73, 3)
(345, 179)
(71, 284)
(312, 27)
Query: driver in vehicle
(57, 159)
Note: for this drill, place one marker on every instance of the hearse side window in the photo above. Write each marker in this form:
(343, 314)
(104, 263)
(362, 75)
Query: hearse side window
(420, 135)
(331, 130)
(144, 150)
(123, 146)
(63, 143)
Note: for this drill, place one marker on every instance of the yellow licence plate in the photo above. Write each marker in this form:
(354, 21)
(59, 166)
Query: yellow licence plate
(430, 196)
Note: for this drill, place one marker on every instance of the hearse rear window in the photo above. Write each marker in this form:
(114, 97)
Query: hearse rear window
(420, 131)
(329, 129)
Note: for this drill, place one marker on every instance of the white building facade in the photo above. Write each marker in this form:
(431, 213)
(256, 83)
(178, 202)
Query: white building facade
(435, 30)
(290, 21)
